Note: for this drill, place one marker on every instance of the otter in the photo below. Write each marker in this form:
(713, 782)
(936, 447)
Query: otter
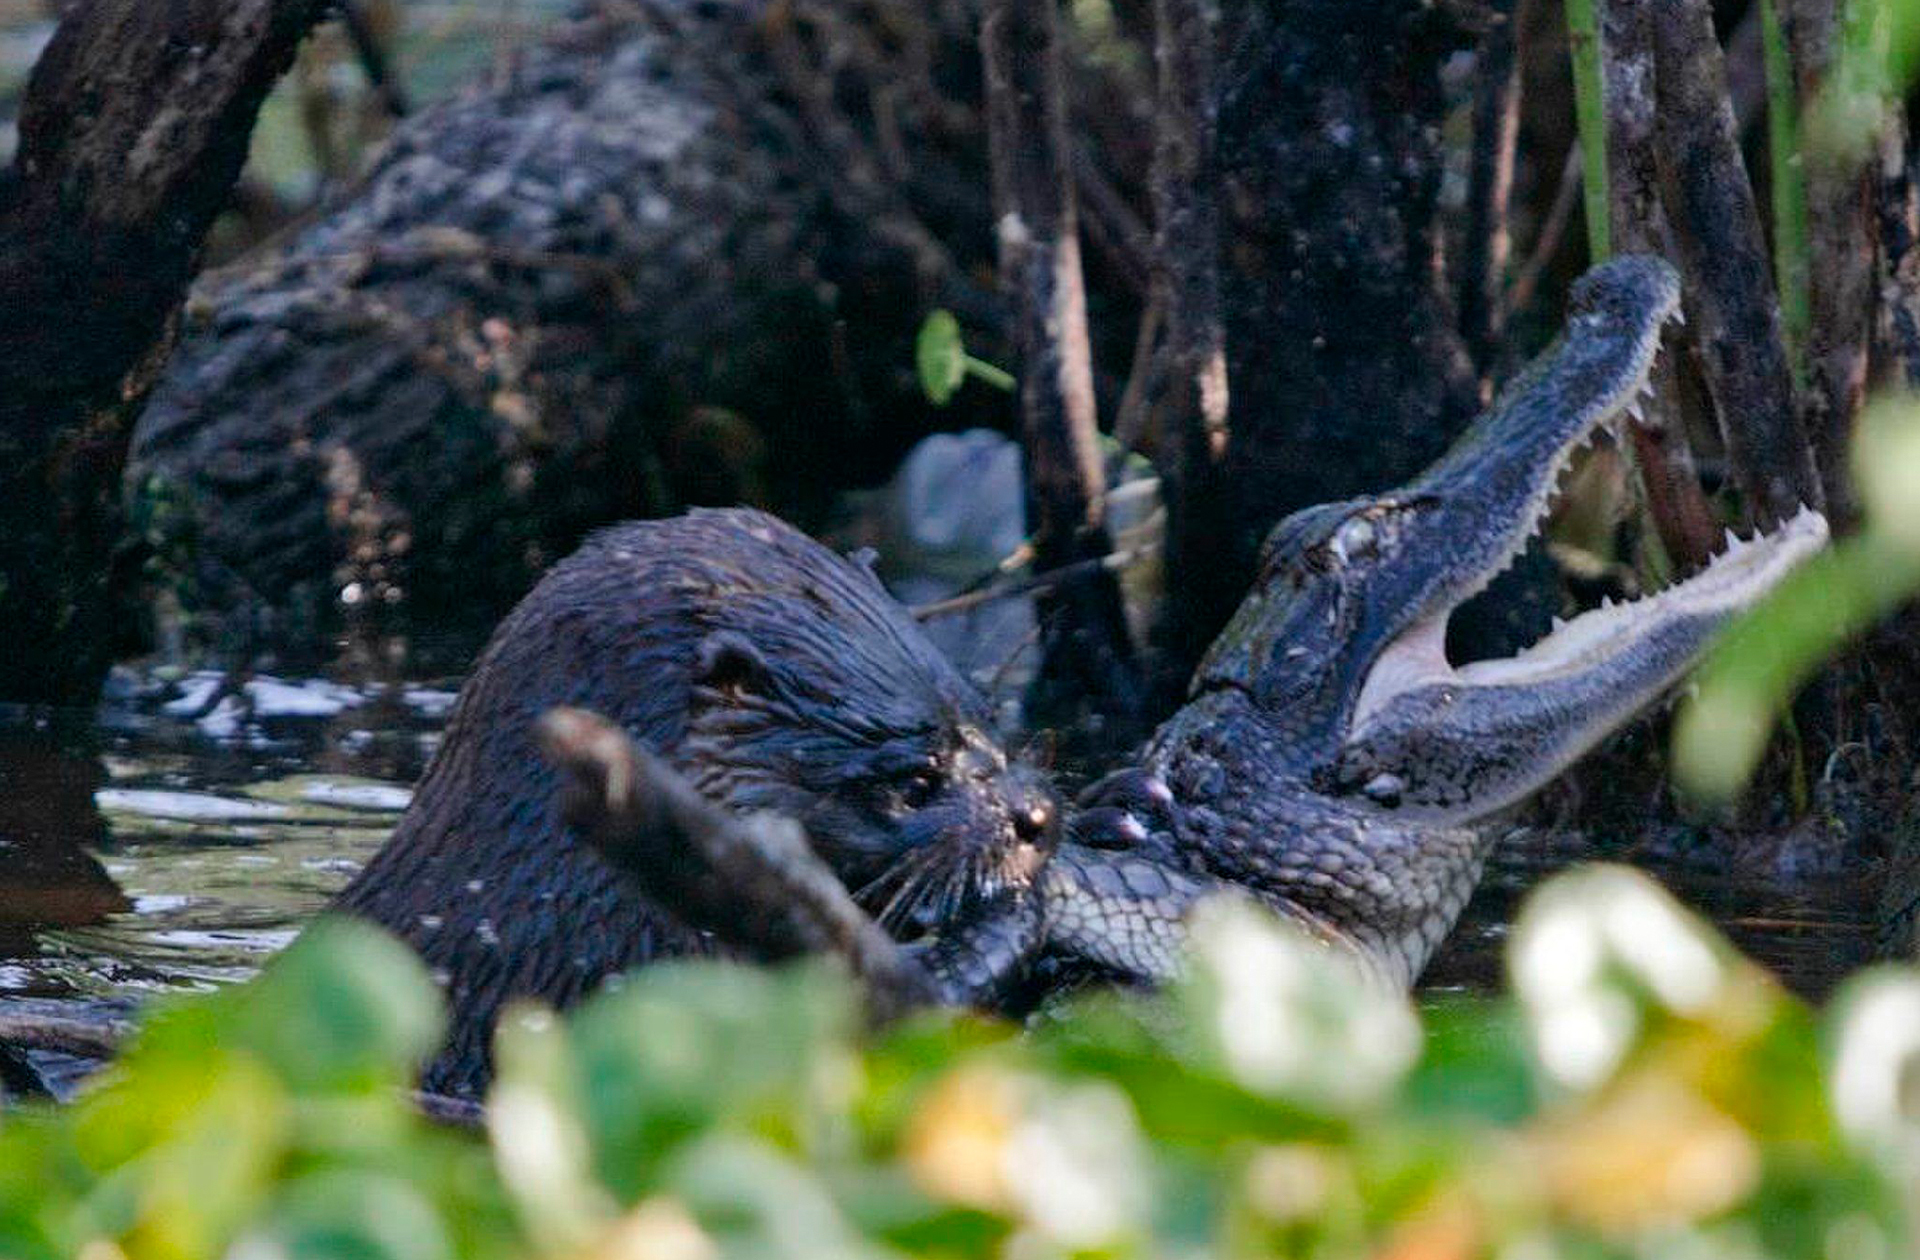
(770, 672)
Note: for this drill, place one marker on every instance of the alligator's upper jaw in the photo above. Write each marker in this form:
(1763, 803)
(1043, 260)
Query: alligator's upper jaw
(1470, 515)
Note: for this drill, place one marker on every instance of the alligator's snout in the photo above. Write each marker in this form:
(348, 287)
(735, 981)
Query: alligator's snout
(1489, 734)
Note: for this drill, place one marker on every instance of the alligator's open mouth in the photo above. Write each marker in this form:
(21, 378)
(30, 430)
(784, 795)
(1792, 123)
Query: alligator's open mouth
(1497, 729)
(1734, 579)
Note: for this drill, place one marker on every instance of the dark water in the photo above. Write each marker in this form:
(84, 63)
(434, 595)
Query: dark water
(1811, 932)
(184, 833)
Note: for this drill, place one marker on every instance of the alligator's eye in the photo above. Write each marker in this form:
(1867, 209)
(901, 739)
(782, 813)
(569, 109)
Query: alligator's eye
(1356, 538)
(1385, 789)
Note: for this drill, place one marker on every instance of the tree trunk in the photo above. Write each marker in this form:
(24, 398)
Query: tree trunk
(1841, 230)
(1723, 257)
(1193, 416)
(133, 130)
(1346, 375)
(1688, 527)
(1496, 130)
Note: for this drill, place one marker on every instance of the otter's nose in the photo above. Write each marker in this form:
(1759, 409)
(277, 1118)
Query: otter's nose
(1033, 821)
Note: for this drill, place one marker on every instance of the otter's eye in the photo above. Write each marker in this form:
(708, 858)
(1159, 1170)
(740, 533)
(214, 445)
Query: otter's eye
(920, 788)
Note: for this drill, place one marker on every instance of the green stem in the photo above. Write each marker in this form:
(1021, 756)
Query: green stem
(1590, 113)
(981, 370)
(1787, 163)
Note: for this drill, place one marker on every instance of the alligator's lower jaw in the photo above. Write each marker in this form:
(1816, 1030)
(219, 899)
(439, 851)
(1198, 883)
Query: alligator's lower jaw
(1733, 580)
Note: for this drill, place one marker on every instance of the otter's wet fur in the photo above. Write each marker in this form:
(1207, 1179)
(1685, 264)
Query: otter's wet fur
(772, 672)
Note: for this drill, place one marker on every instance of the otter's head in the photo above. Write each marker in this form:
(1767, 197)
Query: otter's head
(868, 737)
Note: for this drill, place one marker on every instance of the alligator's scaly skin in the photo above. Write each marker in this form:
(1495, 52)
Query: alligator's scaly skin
(1330, 761)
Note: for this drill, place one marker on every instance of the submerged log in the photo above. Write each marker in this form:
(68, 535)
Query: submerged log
(677, 244)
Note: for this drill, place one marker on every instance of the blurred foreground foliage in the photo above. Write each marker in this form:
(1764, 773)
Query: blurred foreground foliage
(1645, 1093)
(1768, 654)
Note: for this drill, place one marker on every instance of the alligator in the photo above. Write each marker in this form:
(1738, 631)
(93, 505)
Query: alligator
(1329, 760)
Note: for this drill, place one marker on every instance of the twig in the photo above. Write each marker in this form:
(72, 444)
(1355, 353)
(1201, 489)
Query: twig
(1553, 231)
(1040, 583)
(373, 59)
(1496, 128)
(1112, 224)
(1130, 430)
(1768, 923)
(37, 1028)
(464, 1113)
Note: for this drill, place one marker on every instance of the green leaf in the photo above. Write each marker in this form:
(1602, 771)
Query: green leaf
(940, 357)
(216, 1133)
(1475, 1063)
(685, 1048)
(762, 1205)
(344, 1006)
(1886, 467)
(350, 1215)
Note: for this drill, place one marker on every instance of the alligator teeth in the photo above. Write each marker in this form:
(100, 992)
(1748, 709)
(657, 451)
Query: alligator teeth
(1637, 411)
(1731, 580)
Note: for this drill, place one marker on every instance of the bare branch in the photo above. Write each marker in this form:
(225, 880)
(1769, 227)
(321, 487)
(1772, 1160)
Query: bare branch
(1086, 654)
(1716, 229)
(753, 882)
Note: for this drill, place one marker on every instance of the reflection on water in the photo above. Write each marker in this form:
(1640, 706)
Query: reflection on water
(186, 832)
(1811, 932)
(49, 831)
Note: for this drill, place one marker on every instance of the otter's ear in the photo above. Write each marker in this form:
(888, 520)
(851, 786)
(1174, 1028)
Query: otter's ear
(730, 664)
